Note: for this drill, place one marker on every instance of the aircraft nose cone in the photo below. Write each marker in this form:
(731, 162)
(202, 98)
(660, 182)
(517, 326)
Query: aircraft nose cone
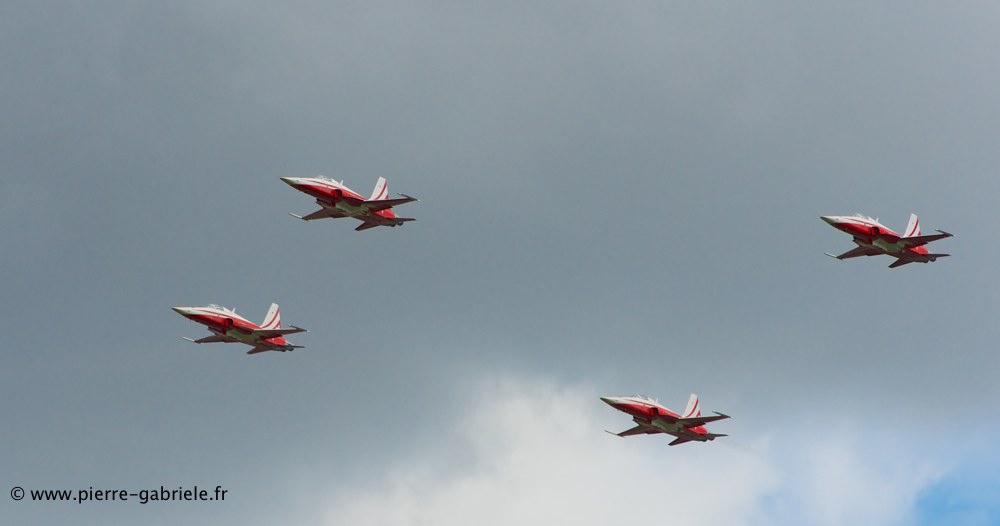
(829, 219)
(290, 181)
(183, 311)
(608, 400)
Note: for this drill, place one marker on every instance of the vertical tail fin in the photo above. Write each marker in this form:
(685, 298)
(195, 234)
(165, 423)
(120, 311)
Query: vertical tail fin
(381, 190)
(692, 408)
(913, 227)
(273, 318)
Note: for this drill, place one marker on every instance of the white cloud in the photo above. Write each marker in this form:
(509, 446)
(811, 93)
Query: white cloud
(842, 475)
(530, 452)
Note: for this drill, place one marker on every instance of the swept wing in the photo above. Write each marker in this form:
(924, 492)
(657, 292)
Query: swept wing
(215, 338)
(270, 333)
(917, 241)
(637, 430)
(701, 420)
(320, 214)
(382, 204)
(857, 252)
(914, 241)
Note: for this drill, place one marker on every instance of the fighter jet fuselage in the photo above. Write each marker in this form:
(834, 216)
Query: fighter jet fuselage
(339, 201)
(874, 239)
(228, 327)
(652, 418)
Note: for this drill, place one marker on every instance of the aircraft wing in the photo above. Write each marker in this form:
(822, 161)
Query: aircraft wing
(679, 440)
(388, 203)
(856, 252)
(215, 338)
(637, 430)
(270, 333)
(366, 225)
(320, 214)
(917, 241)
(256, 350)
(701, 420)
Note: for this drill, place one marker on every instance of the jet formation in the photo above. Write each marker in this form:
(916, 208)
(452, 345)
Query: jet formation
(875, 239)
(228, 327)
(652, 418)
(338, 201)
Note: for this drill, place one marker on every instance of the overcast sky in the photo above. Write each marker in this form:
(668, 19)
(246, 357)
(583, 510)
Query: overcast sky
(615, 198)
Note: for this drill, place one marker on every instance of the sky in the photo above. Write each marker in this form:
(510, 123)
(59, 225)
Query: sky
(614, 199)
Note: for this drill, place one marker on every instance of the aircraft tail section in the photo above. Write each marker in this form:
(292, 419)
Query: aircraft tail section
(273, 318)
(692, 408)
(913, 227)
(381, 190)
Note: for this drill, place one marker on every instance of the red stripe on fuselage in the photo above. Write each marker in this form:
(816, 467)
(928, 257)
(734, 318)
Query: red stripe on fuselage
(332, 193)
(857, 227)
(645, 410)
(218, 320)
(325, 190)
(866, 230)
(648, 412)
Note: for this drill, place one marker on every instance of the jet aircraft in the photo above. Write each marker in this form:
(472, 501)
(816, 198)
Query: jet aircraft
(228, 327)
(338, 200)
(653, 418)
(875, 239)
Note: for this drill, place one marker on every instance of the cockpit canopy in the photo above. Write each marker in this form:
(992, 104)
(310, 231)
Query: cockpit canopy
(330, 179)
(866, 218)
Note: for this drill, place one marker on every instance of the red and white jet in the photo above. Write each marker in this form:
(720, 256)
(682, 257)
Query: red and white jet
(338, 200)
(653, 418)
(875, 239)
(228, 327)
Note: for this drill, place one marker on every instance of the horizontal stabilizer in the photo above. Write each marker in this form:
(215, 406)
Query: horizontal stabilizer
(701, 420)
